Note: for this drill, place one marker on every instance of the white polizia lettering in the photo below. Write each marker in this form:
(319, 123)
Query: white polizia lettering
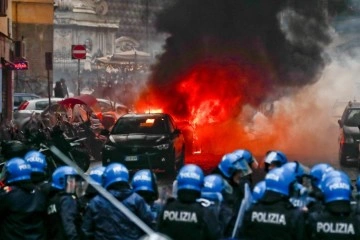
(51, 209)
(180, 216)
(264, 217)
(340, 228)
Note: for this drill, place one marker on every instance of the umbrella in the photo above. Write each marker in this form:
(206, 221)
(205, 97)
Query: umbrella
(85, 99)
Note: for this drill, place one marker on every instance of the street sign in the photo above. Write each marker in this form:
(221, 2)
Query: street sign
(78, 52)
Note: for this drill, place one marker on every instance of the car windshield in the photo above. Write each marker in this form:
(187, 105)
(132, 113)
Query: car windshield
(353, 118)
(147, 125)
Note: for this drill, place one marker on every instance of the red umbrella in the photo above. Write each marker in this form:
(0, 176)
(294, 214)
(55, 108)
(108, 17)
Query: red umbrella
(83, 99)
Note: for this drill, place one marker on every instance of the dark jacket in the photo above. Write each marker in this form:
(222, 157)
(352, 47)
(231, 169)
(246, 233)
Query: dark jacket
(22, 210)
(335, 225)
(102, 220)
(273, 218)
(189, 220)
(63, 217)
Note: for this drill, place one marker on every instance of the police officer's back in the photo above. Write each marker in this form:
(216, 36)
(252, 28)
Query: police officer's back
(273, 216)
(96, 174)
(144, 183)
(102, 220)
(337, 220)
(63, 216)
(22, 205)
(39, 170)
(184, 217)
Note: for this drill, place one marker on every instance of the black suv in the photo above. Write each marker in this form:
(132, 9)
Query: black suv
(349, 137)
(151, 141)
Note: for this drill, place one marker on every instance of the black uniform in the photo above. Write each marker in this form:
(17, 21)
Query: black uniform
(188, 220)
(273, 217)
(328, 224)
(63, 217)
(22, 211)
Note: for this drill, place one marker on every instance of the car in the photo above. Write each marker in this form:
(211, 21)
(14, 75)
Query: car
(21, 97)
(349, 136)
(149, 140)
(29, 107)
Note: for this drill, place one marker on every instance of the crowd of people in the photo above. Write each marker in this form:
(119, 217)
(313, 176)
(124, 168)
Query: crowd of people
(291, 202)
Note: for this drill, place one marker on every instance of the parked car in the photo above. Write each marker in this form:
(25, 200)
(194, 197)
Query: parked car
(145, 141)
(22, 97)
(349, 137)
(29, 107)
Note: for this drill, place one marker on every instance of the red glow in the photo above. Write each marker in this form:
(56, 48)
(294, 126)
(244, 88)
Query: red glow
(211, 96)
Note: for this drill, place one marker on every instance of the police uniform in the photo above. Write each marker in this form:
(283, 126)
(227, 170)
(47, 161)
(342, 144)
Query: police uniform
(188, 220)
(63, 217)
(22, 211)
(273, 217)
(331, 225)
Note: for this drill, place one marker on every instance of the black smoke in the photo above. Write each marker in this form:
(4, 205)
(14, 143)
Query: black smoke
(286, 37)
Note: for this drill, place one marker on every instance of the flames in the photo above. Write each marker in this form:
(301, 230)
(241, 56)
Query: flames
(211, 96)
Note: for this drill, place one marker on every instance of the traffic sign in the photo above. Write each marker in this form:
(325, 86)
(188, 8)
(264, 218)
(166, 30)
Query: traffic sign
(78, 52)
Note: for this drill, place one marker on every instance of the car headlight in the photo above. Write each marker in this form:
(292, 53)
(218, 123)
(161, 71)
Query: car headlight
(162, 146)
(349, 139)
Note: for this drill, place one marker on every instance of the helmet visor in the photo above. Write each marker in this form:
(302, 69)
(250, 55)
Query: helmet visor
(73, 185)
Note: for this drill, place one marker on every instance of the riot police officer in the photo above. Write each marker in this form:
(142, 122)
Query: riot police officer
(96, 174)
(63, 213)
(22, 205)
(102, 220)
(39, 171)
(144, 183)
(234, 171)
(184, 217)
(273, 216)
(337, 220)
(274, 159)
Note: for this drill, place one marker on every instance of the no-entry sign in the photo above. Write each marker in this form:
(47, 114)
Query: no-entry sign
(78, 51)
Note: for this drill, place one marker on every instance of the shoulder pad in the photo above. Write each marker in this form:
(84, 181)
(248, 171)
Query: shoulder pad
(204, 202)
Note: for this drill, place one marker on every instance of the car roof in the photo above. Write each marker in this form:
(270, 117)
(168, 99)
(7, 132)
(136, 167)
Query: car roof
(111, 102)
(26, 94)
(143, 115)
(353, 104)
(43, 99)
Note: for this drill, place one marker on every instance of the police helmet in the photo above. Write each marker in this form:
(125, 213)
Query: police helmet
(143, 181)
(230, 163)
(258, 191)
(274, 158)
(96, 174)
(247, 155)
(213, 188)
(190, 177)
(297, 169)
(115, 172)
(37, 161)
(336, 189)
(279, 180)
(333, 174)
(17, 169)
(317, 172)
(58, 179)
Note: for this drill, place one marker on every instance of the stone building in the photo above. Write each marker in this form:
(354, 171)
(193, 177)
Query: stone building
(106, 27)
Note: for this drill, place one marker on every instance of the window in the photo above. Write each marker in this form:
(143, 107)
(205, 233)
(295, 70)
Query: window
(41, 105)
(3, 7)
